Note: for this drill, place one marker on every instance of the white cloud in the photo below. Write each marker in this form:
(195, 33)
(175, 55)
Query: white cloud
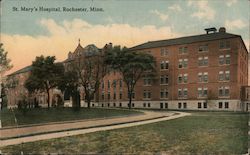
(175, 7)
(231, 2)
(204, 10)
(235, 24)
(64, 37)
(162, 16)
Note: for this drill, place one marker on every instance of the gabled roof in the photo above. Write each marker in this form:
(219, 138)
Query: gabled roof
(89, 50)
(23, 70)
(184, 40)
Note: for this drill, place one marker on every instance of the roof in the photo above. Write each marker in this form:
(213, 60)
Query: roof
(184, 40)
(23, 70)
(89, 50)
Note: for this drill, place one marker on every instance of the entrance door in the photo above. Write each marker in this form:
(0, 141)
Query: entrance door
(161, 105)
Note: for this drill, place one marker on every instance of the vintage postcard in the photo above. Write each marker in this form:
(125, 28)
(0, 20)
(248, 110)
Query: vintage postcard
(124, 77)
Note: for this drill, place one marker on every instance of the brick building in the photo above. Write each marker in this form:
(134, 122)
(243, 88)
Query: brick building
(201, 72)
(16, 90)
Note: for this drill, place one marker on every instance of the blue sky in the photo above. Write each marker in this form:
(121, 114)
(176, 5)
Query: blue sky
(122, 22)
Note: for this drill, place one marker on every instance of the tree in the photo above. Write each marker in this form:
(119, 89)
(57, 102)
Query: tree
(90, 69)
(70, 85)
(4, 66)
(4, 61)
(45, 75)
(132, 66)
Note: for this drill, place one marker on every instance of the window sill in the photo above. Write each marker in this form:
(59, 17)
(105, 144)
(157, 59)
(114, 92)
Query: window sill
(224, 49)
(147, 85)
(223, 97)
(164, 84)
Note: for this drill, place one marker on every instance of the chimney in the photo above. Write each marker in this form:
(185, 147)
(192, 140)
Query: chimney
(209, 30)
(222, 30)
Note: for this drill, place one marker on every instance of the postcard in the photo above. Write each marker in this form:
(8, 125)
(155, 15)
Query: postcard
(124, 77)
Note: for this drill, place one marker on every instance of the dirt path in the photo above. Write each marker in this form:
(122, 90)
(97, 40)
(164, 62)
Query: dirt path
(35, 133)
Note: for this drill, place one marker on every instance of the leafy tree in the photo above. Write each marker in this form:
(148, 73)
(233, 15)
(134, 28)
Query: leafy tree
(45, 75)
(4, 61)
(90, 69)
(70, 85)
(132, 66)
(4, 66)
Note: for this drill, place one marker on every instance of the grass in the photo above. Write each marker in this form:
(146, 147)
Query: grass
(200, 133)
(42, 115)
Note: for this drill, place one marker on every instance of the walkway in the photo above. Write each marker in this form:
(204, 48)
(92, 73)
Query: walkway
(34, 133)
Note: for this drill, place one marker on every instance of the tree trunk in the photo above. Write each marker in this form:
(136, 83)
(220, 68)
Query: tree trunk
(130, 100)
(88, 101)
(48, 98)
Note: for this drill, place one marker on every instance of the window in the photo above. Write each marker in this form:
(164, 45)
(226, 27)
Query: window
(120, 95)
(180, 78)
(225, 59)
(179, 92)
(102, 85)
(120, 104)
(205, 77)
(164, 93)
(183, 50)
(203, 48)
(144, 104)
(224, 44)
(199, 105)
(179, 105)
(228, 59)
(183, 78)
(146, 94)
(183, 63)
(164, 52)
(102, 95)
(164, 64)
(114, 97)
(108, 84)
(185, 92)
(221, 76)
(221, 59)
(132, 94)
(226, 105)
(114, 84)
(224, 91)
(227, 75)
(224, 76)
(146, 81)
(114, 104)
(120, 83)
(182, 93)
(204, 104)
(203, 61)
(149, 105)
(202, 92)
(133, 105)
(108, 95)
(164, 79)
(220, 105)
(166, 105)
(185, 105)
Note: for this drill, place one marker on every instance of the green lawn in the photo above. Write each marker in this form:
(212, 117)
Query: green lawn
(200, 133)
(43, 115)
